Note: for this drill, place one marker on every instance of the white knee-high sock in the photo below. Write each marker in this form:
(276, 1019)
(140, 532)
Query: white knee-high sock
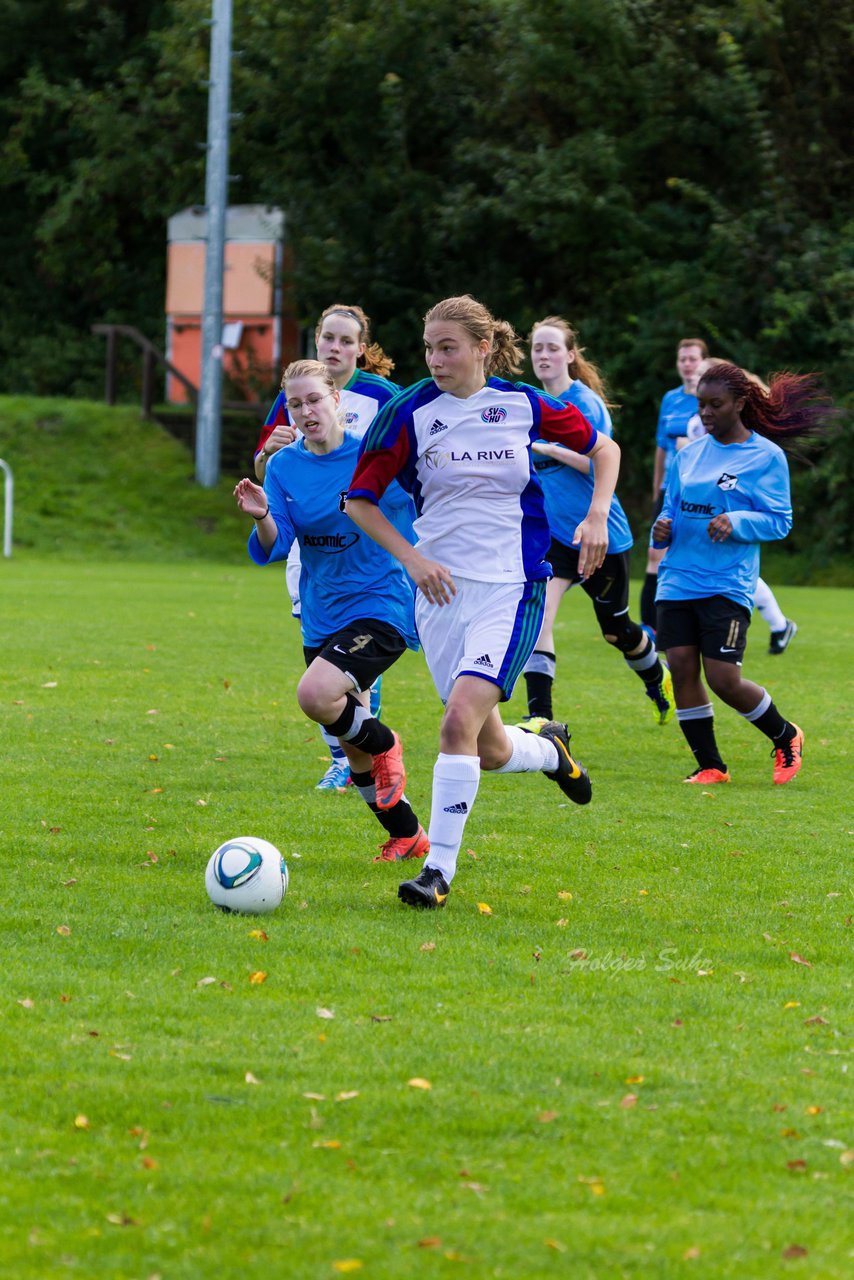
(531, 753)
(766, 602)
(455, 783)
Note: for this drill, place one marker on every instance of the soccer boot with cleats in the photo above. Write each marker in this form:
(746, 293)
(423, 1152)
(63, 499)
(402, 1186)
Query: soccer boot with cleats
(389, 775)
(572, 778)
(532, 724)
(707, 777)
(336, 778)
(429, 889)
(788, 758)
(402, 848)
(661, 695)
(779, 640)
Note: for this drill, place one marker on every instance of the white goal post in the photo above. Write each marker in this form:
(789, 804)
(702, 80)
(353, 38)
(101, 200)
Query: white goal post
(8, 500)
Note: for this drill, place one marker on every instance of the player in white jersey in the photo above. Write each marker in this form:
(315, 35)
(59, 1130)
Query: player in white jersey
(357, 615)
(359, 370)
(727, 493)
(783, 630)
(460, 443)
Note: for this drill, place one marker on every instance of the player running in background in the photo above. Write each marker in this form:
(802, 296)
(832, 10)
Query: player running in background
(356, 615)
(359, 370)
(567, 480)
(727, 493)
(677, 407)
(460, 442)
(782, 629)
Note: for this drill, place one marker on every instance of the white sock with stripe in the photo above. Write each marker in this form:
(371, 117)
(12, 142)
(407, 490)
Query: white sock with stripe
(455, 783)
(531, 753)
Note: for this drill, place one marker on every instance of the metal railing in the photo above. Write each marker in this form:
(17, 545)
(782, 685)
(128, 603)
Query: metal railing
(8, 502)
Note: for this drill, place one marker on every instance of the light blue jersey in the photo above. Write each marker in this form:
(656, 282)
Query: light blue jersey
(568, 492)
(345, 575)
(677, 408)
(750, 482)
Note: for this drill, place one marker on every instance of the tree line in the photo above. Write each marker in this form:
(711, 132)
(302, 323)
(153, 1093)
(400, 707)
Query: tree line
(646, 168)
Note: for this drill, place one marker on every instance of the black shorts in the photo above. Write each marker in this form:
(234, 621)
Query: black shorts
(363, 650)
(607, 587)
(715, 625)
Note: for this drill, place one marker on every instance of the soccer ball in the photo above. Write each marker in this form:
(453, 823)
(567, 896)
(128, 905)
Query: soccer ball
(246, 875)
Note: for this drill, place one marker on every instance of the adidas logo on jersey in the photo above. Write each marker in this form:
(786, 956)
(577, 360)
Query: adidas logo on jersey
(462, 807)
(438, 426)
(483, 661)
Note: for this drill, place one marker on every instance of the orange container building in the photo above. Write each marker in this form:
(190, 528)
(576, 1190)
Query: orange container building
(260, 335)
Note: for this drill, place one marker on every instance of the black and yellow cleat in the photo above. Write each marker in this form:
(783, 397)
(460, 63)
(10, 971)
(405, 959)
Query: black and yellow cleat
(428, 889)
(572, 778)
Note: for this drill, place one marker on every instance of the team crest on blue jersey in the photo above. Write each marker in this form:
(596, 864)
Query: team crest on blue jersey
(727, 481)
(342, 498)
(350, 418)
(494, 414)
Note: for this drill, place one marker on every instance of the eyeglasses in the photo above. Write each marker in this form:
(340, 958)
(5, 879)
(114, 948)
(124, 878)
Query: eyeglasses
(309, 403)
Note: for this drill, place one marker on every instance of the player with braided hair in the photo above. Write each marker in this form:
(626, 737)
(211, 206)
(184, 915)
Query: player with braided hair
(727, 493)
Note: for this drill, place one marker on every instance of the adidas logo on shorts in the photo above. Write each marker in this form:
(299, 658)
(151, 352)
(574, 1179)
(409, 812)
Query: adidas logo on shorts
(438, 426)
(483, 661)
(462, 807)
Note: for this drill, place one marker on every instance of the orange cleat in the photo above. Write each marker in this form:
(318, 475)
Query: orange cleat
(389, 775)
(706, 777)
(402, 848)
(788, 758)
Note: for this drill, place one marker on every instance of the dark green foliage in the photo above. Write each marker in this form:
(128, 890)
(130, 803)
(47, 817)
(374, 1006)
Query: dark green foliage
(648, 170)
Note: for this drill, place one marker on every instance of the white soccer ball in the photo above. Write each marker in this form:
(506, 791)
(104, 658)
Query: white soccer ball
(247, 875)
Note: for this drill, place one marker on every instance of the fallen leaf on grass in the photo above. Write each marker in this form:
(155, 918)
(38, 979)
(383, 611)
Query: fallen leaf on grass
(817, 1021)
(417, 1082)
(66, 884)
(315, 1097)
(484, 908)
(331, 1144)
(122, 1220)
(562, 923)
(50, 684)
(325, 1013)
(346, 1265)
(690, 1254)
(795, 1251)
(257, 978)
(81, 1122)
(148, 1162)
(63, 930)
(27, 1003)
(634, 1080)
(565, 896)
(629, 1100)
(796, 959)
(427, 946)
(205, 982)
(797, 1166)
(546, 1117)
(346, 1095)
(477, 1187)
(846, 1159)
(430, 1242)
(250, 1079)
(792, 1004)
(381, 1017)
(812, 1111)
(259, 934)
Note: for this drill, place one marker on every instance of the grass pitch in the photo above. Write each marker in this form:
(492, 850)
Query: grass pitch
(637, 1064)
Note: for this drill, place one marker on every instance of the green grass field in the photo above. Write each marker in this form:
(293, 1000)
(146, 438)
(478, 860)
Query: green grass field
(677, 1102)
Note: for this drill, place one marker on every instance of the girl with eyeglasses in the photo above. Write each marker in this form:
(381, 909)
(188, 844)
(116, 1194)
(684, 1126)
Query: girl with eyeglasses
(356, 615)
(359, 369)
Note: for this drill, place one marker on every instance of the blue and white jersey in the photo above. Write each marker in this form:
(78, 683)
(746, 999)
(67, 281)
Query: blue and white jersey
(345, 575)
(469, 466)
(750, 482)
(568, 492)
(677, 408)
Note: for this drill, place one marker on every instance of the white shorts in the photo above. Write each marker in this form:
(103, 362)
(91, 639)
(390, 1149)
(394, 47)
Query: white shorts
(489, 630)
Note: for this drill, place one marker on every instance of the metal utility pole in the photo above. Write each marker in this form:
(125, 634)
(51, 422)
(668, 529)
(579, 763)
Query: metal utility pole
(209, 416)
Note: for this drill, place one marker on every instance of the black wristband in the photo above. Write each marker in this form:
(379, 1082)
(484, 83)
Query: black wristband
(264, 516)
